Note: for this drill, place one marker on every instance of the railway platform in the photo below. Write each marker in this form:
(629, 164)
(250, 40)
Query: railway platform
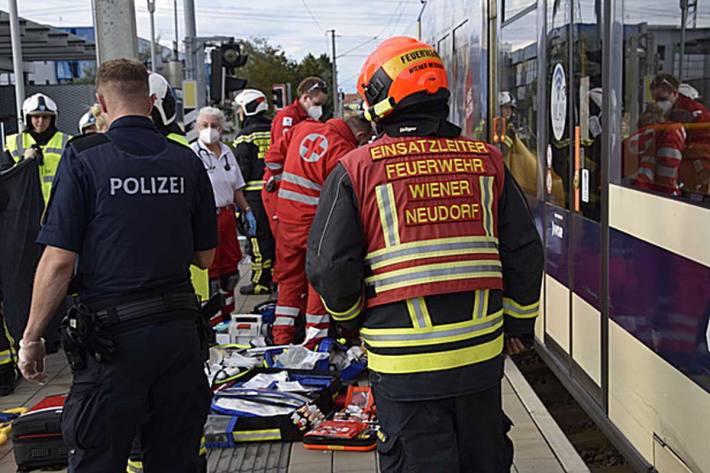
(540, 445)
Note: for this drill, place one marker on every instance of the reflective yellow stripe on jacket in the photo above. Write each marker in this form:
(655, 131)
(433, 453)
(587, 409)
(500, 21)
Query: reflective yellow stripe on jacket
(437, 361)
(254, 185)
(398, 350)
(348, 314)
(178, 138)
(260, 139)
(518, 311)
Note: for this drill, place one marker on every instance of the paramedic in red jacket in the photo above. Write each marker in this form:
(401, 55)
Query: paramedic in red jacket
(694, 170)
(312, 95)
(312, 150)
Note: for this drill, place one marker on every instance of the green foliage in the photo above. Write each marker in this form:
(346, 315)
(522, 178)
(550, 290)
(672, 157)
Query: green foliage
(269, 65)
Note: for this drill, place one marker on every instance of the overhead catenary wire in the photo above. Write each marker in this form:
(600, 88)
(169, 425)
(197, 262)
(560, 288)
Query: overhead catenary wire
(315, 20)
(354, 48)
(401, 7)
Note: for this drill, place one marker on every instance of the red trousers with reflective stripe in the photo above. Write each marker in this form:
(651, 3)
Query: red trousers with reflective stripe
(291, 240)
(227, 256)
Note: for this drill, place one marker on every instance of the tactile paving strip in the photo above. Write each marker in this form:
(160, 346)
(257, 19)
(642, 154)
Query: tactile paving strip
(260, 457)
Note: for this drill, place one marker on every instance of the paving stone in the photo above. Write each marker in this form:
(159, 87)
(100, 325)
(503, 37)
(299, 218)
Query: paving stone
(347, 462)
(539, 465)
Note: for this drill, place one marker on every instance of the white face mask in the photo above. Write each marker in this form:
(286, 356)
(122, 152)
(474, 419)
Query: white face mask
(665, 105)
(315, 111)
(209, 136)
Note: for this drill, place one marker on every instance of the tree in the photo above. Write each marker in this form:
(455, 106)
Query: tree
(267, 65)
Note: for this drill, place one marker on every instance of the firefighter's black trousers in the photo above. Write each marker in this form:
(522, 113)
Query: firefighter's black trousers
(262, 247)
(464, 434)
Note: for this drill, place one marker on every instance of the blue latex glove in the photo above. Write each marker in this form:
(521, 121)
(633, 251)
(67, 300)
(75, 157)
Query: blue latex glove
(250, 224)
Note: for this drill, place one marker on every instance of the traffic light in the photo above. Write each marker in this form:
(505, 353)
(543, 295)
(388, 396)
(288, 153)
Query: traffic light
(279, 97)
(225, 60)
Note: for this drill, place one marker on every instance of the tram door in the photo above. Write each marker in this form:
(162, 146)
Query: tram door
(572, 186)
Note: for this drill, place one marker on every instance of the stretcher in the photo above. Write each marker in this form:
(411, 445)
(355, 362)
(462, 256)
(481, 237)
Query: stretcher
(257, 408)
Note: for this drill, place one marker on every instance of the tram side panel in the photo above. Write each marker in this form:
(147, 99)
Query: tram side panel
(659, 277)
(659, 364)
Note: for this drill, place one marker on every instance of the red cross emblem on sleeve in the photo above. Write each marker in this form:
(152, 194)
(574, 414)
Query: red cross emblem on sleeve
(313, 147)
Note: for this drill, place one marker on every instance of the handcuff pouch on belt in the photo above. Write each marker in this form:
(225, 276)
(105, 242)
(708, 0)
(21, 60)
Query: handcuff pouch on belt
(83, 335)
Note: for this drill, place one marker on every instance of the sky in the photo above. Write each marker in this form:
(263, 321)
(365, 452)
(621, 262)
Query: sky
(298, 26)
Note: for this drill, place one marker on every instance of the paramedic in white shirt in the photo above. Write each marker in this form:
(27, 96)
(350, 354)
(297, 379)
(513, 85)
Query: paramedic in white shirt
(227, 184)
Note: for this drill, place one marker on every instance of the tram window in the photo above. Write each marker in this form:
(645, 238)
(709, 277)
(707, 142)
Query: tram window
(517, 99)
(458, 68)
(574, 78)
(666, 113)
(587, 90)
(513, 8)
(557, 156)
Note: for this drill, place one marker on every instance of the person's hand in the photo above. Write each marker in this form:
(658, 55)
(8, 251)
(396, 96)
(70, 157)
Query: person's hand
(31, 360)
(250, 223)
(30, 153)
(514, 345)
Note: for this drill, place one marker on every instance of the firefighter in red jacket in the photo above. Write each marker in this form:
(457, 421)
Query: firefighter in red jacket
(312, 95)
(312, 150)
(423, 240)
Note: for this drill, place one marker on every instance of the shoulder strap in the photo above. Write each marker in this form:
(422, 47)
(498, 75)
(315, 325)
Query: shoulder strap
(84, 142)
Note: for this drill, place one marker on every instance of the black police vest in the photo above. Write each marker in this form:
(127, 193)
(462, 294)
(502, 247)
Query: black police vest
(139, 232)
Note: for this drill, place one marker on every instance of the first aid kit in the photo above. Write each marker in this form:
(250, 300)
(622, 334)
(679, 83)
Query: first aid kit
(351, 429)
(243, 328)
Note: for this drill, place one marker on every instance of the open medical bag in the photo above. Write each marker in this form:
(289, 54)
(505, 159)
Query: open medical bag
(37, 436)
(351, 429)
(259, 406)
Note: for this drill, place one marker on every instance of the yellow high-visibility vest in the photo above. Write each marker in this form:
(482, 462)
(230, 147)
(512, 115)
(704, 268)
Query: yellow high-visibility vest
(52, 152)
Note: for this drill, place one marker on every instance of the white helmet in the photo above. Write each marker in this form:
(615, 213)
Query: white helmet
(37, 104)
(506, 98)
(88, 119)
(688, 91)
(165, 105)
(251, 101)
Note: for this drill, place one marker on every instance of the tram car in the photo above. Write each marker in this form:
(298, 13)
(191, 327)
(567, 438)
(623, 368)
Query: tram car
(601, 110)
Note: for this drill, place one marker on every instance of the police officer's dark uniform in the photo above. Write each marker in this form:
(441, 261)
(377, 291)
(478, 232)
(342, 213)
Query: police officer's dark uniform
(135, 207)
(250, 146)
(423, 241)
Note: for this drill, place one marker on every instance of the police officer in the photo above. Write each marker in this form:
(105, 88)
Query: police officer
(424, 241)
(40, 140)
(138, 209)
(250, 147)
